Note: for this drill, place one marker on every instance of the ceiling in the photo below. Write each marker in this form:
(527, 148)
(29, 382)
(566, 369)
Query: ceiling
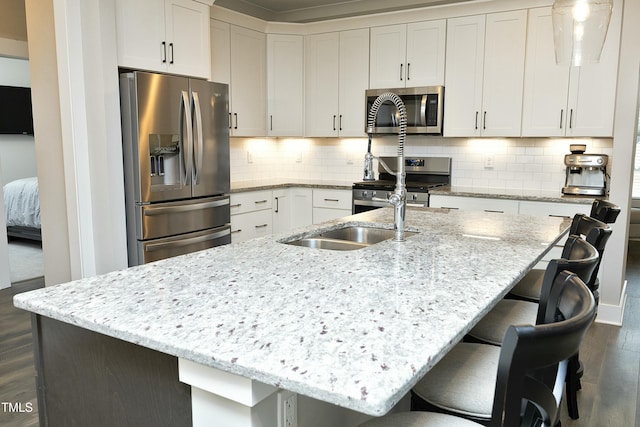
(319, 10)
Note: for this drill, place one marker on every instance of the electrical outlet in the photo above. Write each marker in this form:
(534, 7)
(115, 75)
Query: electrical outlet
(249, 156)
(287, 409)
(489, 161)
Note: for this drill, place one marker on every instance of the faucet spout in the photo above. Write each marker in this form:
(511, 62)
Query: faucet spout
(399, 197)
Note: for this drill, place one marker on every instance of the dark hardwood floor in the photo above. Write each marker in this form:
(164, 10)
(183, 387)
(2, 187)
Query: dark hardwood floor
(611, 358)
(18, 405)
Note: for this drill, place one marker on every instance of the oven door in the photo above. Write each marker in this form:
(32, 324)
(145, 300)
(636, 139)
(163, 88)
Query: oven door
(360, 206)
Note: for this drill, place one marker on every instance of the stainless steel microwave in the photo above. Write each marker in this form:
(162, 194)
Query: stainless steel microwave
(424, 105)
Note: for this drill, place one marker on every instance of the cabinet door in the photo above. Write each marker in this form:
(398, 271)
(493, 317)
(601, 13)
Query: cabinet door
(187, 33)
(139, 41)
(301, 200)
(425, 53)
(248, 82)
(592, 88)
(388, 56)
(281, 212)
(220, 52)
(321, 83)
(285, 95)
(464, 76)
(354, 75)
(546, 83)
(503, 73)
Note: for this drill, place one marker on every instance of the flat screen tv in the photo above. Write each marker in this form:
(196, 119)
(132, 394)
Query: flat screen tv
(16, 116)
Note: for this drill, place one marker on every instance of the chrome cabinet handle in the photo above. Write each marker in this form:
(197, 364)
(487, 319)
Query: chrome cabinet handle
(331, 200)
(237, 205)
(334, 122)
(492, 211)
(271, 122)
(408, 71)
(261, 226)
(236, 231)
(229, 120)
(260, 201)
(476, 125)
(236, 116)
(340, 122)
(401, 71)
(484, 120)
(171, 51)
(163, 54)
(277, 204)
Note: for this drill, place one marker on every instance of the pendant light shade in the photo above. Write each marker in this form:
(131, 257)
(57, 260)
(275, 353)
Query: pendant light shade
(579, 29)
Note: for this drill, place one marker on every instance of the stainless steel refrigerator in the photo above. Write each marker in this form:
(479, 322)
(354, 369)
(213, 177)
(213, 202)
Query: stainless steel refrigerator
(176, 158)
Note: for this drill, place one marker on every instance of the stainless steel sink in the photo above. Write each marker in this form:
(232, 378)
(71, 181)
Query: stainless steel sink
(347, 238)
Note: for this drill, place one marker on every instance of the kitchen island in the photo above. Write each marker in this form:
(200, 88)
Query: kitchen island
(356, 329)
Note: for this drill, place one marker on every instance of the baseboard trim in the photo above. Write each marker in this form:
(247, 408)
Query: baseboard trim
(610, 314)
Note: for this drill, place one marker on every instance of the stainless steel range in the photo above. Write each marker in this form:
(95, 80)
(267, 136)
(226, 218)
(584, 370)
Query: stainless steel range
(422, 174)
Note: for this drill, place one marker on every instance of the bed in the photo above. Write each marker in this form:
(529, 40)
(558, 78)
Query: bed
(22, 208)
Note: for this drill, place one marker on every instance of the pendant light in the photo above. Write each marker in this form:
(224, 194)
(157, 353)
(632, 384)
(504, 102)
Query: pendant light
(579, 29)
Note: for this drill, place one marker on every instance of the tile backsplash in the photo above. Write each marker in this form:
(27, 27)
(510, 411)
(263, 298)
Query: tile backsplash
(509, 163)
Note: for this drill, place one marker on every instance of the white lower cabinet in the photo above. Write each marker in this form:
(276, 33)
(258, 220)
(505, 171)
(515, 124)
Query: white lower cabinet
(330, 204)
(473, 203)
(251, 215)
(292, 208)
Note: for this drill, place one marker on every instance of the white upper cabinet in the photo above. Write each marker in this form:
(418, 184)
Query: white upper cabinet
(408, 55)
(239, 59)
(546, 84)
(337, 72)
(561, 100)
(173, 36)
(285, 85)
(485, 74)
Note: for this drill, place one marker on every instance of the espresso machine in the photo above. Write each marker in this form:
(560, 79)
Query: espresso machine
(586, 173)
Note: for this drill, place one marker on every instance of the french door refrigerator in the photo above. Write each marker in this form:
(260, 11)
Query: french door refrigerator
(176, 158)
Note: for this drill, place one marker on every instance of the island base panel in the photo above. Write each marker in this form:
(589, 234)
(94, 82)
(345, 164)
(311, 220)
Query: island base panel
(89, 379)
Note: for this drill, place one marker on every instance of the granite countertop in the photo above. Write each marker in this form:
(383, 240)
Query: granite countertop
(269, 184)
(353, 328)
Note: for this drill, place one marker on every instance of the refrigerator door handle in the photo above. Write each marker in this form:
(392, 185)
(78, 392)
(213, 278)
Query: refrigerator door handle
(152, 211)
(198, 153)
(186, 242)
(187, 150)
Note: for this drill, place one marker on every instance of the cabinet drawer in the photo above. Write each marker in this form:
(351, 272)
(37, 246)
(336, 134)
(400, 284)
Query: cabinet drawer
(474, 204)
(325, 214)
(553, 209)
(250, 201)
(250, 225)
(332, 199)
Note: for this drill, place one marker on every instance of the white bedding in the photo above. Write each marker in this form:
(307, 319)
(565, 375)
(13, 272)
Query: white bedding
(21, 203)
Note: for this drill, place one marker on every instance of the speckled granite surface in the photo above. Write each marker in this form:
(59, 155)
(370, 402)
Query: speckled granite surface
(269, 184)
(355, 328)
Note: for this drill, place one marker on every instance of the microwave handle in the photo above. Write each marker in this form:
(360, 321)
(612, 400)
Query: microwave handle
(423, 111)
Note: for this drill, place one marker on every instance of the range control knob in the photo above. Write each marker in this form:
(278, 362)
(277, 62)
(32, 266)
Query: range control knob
(414, 197)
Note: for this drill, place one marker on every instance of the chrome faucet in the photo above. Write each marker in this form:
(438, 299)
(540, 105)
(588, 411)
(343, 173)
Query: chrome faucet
(399, 196)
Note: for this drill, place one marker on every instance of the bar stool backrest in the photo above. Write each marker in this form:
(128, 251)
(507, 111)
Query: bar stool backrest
(533, 359)
(595, 232)
(604, 211)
